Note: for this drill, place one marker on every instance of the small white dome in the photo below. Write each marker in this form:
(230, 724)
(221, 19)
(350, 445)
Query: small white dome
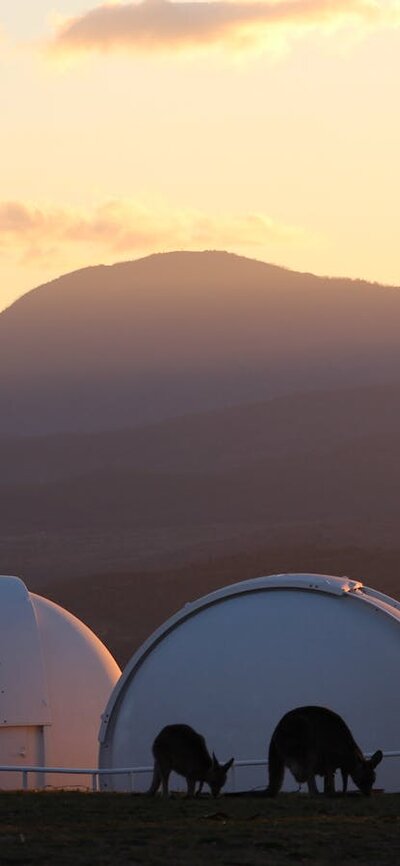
(55, 679)
(233, 662)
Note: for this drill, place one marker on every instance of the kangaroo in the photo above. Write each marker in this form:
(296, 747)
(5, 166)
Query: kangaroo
(183, 750)
(314, 741)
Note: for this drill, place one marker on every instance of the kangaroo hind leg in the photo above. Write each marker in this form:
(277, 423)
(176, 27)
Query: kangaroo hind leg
(156, 780)
(164, 781)
(191, 785)
(276, 770)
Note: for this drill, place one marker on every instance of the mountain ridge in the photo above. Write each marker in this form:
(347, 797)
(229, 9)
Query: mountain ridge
(135, 342)
(212, 440)
(78, 503)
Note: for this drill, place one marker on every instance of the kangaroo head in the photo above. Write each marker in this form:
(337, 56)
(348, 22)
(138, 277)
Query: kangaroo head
(364, 774)
(217, 775)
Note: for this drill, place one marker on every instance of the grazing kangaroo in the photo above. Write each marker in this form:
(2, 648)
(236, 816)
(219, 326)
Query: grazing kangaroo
(180, 749)
(314, 741)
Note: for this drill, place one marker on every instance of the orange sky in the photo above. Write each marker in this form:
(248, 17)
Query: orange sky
(267, 128)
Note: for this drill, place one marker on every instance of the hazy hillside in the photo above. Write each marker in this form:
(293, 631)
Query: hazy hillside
(282, 455)
(108, 347)
(356, 482)
(315, 468)
(210, 442)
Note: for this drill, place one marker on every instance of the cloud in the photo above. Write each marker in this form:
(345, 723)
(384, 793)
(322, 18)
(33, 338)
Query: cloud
(155, 25)
(126, 227)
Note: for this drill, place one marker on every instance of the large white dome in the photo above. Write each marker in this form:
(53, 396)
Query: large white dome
(232, 663)
(55, 680)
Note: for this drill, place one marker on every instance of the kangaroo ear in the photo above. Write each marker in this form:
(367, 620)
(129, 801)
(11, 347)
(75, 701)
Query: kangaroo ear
(376, 758)
(228, 765)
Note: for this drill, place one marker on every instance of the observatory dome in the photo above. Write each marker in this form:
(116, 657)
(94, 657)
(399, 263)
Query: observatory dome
(55, 680)
(232, 663)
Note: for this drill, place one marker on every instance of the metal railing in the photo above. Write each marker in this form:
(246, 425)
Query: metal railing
(131, 772)
(75, 771)
(96, 773)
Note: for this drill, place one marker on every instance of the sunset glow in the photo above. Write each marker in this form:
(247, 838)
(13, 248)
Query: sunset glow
(266, 128)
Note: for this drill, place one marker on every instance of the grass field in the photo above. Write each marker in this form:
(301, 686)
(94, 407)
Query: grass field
(77, 828)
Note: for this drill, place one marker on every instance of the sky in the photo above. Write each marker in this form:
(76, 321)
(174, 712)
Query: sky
(268, 128)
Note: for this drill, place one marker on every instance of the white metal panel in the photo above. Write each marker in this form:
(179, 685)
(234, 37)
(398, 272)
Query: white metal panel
(388, 605)
(24, 698)
(319, 582)
(234, 662)
(19, 746)
(55, 679)
(81, 675)
(329, 584)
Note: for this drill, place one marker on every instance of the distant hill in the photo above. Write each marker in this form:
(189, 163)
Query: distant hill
(112, 347)
(318, 468)
(220, 441)
(190, 419)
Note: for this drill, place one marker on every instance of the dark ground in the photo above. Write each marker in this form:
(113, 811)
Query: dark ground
(112, 829)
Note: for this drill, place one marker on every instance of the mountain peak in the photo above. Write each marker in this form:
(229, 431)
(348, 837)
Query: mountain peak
(136, 341)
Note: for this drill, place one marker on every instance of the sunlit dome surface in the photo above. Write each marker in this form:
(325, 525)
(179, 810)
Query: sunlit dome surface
(55, 680)
(232, 663)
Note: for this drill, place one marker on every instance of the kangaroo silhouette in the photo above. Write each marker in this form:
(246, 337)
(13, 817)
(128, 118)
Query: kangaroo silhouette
(181, 749)
(315, 741)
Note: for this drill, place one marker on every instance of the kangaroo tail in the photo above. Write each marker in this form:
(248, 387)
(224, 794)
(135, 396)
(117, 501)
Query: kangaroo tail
(156, 780)
(276, 770)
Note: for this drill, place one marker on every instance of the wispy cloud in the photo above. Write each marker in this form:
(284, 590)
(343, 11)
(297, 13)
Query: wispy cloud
(125, 227)
(155, 25)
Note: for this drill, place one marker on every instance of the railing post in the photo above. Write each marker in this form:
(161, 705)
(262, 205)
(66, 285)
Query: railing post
(132, 778)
